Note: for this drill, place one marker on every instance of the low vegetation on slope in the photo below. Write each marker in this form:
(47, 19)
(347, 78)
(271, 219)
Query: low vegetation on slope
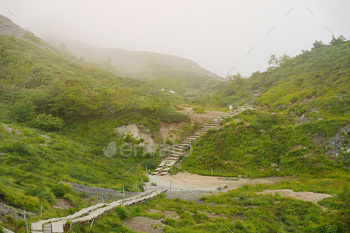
(305, 102)
(56, 117)
(242, 210)
(261, 144)
(164, 71)
(313, 79)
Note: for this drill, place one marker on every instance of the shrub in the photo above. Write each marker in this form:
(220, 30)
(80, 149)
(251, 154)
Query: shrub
(42, 193)
(123, 213)
(23, 111)
(48, 122)
(200, 218)
(199, 109)
(170, 222)
(73, 199)
(59, 190)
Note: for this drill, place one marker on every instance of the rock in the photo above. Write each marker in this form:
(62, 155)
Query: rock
(339, 143)
(274, 165)
(340, 97)
(139, 132)
(319, 119)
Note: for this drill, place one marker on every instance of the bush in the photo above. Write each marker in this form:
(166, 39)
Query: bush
(199, 109)
(23, 111)
(73, 199)
(48, 122)
(59, 190)
(200, 218)
(13, 198)
(333, 227)
(123, 213)
(170, 222)
(43, 193)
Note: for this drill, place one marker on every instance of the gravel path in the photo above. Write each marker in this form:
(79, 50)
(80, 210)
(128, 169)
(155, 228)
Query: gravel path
(186, 181)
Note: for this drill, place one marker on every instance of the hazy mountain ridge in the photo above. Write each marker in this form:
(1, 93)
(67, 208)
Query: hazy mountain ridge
(135, 64)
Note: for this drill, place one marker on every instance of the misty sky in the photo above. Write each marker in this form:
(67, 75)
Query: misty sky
(215, 34)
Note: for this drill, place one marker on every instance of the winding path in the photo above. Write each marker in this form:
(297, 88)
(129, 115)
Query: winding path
(180, 150)
(55, 225)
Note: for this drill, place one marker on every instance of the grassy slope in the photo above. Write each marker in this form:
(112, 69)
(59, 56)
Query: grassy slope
(79, 128)
(307, 85)
(268, 142)
(165, 71)
(256, 141)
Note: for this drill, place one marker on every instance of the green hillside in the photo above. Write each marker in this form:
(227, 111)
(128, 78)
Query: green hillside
(55, 122)
(58, 114)
(305, 103)
(165, 71)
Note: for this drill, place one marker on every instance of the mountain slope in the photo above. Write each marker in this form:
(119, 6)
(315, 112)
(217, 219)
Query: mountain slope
(56, 116)
(301, 124)
(142, 65)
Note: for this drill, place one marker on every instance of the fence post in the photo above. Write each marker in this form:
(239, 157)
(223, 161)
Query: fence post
(92, 223)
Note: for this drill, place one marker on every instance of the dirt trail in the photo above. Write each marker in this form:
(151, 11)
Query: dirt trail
(184, 180)
(201, 118)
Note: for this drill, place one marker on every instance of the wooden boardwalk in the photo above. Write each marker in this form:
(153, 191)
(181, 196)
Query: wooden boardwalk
(181, 149)
(55, 225)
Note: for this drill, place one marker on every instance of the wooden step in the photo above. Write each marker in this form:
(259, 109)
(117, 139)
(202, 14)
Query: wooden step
(173, 158)
(188, 140)
(198, 133)
(183, 147)
(177, 149)
(176, 153)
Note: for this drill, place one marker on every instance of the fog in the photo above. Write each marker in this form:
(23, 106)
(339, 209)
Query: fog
(218, 35)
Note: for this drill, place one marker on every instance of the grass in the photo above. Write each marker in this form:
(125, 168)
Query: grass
(245, 210)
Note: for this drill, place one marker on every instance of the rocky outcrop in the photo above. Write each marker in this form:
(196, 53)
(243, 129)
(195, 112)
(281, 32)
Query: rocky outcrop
(139, 132)
(8, 28)
(339, 145)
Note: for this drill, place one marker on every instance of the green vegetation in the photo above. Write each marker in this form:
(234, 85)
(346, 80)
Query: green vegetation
(261, 144)
(244, 210)
(58, 123)
(58, 114)
(161, 71)
(314, 86)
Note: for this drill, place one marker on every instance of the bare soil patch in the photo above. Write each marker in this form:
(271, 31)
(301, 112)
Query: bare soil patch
(201, 118)
(62, 204)
(167, 213)
(144, 224)
(184, 181)
(305, 196)
(174, 131)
